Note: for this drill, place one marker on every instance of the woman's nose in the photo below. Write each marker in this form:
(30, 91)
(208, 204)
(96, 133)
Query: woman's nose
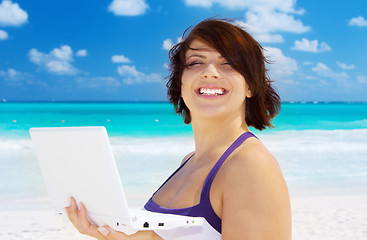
(210, 71)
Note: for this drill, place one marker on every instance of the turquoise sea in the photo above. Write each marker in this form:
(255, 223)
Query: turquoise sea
(321, 147)
(159, 119)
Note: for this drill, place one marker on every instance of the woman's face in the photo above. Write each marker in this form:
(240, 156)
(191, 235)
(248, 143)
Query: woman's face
(210, 86)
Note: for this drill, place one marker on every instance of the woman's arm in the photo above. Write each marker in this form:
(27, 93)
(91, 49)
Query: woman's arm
(255, 198)
(78, 217)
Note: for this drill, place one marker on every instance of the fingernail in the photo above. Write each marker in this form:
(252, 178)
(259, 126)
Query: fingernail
(103, 231)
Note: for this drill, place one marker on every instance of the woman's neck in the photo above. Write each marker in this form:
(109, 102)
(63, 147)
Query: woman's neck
(213, 135)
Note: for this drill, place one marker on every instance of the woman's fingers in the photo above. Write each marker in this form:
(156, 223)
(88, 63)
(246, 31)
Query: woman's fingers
(82, 215)
(78, 217)
(72, 210)
(111, 234)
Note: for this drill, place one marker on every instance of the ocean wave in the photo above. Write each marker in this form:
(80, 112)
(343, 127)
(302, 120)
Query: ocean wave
(307, 158)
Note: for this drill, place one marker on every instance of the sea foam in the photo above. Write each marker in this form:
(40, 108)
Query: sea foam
(311, 160)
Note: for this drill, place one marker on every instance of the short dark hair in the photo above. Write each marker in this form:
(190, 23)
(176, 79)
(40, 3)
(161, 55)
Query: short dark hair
(243, 53)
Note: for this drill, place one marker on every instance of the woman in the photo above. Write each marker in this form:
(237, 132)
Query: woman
(219, 84)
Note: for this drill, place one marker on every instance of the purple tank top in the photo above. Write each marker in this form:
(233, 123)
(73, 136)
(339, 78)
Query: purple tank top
(204, 208)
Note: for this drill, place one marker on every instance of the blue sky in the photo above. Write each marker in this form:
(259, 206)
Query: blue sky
(116, 50)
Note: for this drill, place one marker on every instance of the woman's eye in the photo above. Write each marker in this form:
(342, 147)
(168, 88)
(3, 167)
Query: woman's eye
(227, 65)
(191, 64)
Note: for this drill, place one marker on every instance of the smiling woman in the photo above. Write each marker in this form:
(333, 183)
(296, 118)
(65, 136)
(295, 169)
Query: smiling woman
(218, 82)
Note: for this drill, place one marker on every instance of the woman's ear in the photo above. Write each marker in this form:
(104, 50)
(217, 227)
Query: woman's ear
(248, 92)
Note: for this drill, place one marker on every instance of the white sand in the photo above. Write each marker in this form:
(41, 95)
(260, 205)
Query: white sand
(36, 224)
(330, 217)
(314, 217)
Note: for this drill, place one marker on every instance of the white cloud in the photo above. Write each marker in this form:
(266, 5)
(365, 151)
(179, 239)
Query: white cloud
(82, 53)
(273, 21)
(16, 78)
(64, 53)
(126, 70)
(60, 67)
(165, 66)
(268, 37)
(131, 75)
(11, 14)
(58, 61)
(12, 75)
(120, 59)
(265, 24)
(167, 44)
(311, 46)
(128, 7)
(3, 35)
(345, 66)
(324, 71)
(362, 79)
(358, 21)
(281, 67)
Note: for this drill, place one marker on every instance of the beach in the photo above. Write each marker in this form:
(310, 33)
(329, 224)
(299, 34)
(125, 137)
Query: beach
(331, 216)
(315, 217)
(323, 159)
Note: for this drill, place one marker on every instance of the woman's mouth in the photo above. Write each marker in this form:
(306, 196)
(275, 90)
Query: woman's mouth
(207, 91)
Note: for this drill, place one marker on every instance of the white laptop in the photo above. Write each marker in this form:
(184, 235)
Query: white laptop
(78, 162)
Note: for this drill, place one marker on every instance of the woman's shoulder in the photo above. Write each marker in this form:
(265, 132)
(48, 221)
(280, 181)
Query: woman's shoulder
(251, 162)
(252, 153)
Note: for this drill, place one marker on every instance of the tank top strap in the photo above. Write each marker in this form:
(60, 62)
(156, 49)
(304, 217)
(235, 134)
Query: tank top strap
(213, 172)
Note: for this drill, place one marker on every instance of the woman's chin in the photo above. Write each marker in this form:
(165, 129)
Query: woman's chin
(211, 114)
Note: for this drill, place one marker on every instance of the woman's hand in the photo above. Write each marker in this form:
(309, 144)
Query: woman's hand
(78, 217)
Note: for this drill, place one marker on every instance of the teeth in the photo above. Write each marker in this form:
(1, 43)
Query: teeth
(208, 91)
